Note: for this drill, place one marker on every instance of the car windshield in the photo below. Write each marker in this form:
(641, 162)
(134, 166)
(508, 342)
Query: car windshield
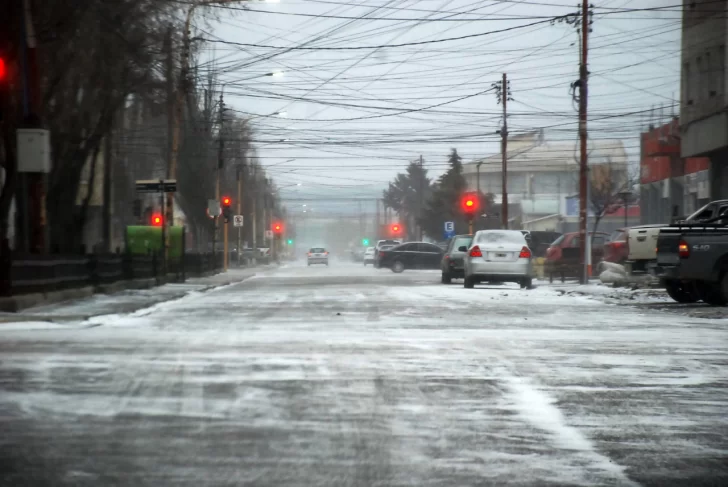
(501, 238)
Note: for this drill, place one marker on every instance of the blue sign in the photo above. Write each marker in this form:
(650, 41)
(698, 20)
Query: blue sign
(449, 227)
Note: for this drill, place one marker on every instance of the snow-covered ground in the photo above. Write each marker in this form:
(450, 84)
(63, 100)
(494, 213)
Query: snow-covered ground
(349, 375)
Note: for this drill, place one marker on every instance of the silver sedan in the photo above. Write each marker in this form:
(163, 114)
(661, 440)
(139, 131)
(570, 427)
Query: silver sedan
(498, 255)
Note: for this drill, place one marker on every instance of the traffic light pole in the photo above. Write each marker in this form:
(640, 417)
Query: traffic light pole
(165, 246)
(225, 227)
(470, 226)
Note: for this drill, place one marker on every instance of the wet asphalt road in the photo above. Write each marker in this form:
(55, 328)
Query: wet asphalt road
(346, 376)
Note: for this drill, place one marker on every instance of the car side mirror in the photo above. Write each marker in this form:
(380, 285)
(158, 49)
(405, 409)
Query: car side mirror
(462, 248)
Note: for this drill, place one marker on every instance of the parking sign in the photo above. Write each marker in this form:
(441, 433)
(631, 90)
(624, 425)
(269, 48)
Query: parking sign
(449, 227)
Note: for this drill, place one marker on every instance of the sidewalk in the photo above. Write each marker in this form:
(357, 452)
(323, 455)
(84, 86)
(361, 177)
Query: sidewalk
(608, 293)
(126, 301)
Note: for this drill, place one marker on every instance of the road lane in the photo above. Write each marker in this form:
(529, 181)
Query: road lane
(355, 376)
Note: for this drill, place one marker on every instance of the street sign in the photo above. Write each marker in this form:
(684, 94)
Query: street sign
(156, 186)
(449, 227)
(269, 234)
(238, 220)
(213, 208)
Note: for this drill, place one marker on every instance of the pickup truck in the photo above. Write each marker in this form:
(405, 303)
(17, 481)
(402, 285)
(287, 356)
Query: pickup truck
(692, 259)
(641, 245)
(642, 239)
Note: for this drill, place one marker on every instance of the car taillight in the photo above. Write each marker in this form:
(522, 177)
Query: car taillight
(326, 253)
(475, 252)
(447, 257)
(381, 253)
(309, 254)
(525, 253)
(683, 250)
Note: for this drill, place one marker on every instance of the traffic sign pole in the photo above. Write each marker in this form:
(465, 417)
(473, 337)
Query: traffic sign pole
(225, 247)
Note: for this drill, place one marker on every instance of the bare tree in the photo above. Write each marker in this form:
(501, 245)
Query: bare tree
(607, 185)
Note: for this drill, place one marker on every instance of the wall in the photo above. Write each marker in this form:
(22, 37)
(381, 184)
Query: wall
(704, 88)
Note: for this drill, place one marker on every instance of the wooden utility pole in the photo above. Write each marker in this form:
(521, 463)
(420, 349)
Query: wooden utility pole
(583, 163)
(419, 206)
(220, 166)
(504, 153)
(240, 207)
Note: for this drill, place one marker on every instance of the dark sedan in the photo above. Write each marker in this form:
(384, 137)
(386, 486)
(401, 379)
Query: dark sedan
(451, 264)
(411, 255)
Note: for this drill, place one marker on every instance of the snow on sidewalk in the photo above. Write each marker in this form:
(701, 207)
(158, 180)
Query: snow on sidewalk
(125, 302)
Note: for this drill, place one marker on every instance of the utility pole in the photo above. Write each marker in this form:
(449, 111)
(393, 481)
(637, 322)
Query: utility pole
(376, 226)
(503, 93)
(419, 206)
(583, 163)
(220, 166)
(240, 207)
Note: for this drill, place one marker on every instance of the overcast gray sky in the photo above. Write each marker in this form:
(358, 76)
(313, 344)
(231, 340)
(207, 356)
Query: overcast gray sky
(370, 85)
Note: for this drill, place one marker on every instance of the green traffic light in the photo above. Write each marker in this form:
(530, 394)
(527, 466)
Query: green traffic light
(365, 241)
(290, 242)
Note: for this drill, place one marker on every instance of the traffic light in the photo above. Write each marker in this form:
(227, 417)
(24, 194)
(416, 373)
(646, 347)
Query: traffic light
(470, 204)
(157, 220)
(290, 241)
(365, 241)
(396, 229)
(277, 228)
(3, 70)
(226, 209)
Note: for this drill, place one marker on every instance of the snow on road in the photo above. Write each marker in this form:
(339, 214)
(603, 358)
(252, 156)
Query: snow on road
(355, 376)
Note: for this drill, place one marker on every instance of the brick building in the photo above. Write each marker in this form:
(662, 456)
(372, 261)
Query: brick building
(669, 183)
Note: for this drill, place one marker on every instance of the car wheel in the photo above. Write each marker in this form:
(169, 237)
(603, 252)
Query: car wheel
(681, 293)
(398, 266)
(526, 283)
(445, 278)
(469, 283)
(711, 294)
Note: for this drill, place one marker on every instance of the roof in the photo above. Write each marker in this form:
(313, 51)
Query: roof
(536, 155)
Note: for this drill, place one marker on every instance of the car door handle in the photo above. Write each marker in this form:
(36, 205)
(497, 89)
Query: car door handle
(641, 238)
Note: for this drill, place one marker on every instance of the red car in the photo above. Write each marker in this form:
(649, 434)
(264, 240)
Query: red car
(617, 249)
(562, 257)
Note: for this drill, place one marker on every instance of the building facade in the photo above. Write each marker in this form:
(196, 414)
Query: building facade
(704, 89)
(544, 174)
(670, 185)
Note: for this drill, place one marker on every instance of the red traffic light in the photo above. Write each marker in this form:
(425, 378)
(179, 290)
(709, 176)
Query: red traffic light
(396, 229)
(277, 228)
(157, 219)
(3, 69)
(469, 203)
(226, 201)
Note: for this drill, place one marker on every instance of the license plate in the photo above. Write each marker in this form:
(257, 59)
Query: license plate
(501, 255)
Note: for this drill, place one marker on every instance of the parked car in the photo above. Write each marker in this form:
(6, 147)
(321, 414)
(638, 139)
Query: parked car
(264, 255)
(411, 255)
(616, 249)
(452, 264)
(692, 260)
(562, 257)
(498, 255)
(377, 250)
(318, 255)
(369, 256)
(641, 247)
(539, 241)
(642, 239)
